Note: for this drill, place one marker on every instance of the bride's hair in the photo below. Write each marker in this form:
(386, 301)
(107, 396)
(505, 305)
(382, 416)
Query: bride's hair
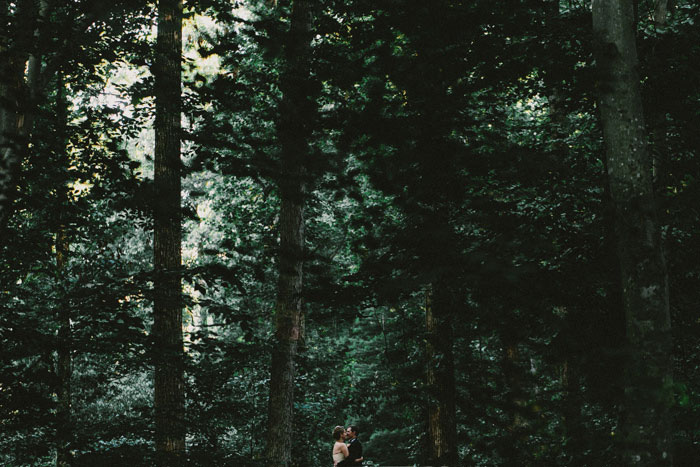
(337, 432)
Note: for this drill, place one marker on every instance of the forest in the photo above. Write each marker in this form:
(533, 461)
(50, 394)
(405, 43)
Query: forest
(463, 227)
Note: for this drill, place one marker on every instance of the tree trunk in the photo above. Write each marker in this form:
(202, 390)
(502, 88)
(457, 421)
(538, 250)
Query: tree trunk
(554, 96)
(516, 401)
(15, 44)
(10, 126)
(571, 404)
(661, 13)
(440, 377)
(64, 457)
(18, 99)
(656, 122)
(287, 332)
(296, 112)
(645, 423)
(169, 403)
(64, 370)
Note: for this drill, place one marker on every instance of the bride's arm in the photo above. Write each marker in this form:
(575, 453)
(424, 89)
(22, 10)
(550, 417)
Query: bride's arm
(344, 450)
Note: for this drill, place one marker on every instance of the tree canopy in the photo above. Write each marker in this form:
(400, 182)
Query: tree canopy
(467, 228)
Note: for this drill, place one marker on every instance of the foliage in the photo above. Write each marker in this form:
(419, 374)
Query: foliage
(454, 142)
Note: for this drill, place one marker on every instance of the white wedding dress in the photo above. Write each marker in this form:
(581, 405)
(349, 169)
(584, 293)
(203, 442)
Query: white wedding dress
(338, 457)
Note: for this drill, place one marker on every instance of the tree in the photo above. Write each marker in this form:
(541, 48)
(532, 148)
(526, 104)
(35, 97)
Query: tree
(296, 114)
(16, 44)
(440, 375)
(645, 423)
(661, 10)
(169, 398)
(450, 147)
(64, 429)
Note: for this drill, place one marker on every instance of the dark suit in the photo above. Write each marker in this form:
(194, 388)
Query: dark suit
(355, 452)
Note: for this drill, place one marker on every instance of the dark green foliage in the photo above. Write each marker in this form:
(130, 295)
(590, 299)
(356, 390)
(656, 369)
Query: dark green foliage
(450, 141)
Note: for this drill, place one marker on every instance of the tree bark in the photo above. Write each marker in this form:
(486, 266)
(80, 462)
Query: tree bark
(10, 127)
(645, 423)
(440, 377)
(64, 456)
(661, 13)
(296, 112)
(516, 400)
(15, 44)
(64, 364)
(169, 397)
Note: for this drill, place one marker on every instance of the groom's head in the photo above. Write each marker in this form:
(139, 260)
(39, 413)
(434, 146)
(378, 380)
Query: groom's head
(352, 432)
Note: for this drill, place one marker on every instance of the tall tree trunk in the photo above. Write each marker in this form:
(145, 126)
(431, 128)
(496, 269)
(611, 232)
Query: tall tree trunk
(169, 395)
(646, 420)
(64, 457)
(516, 402)
(11, 123)
(64, 371)
(15, 44)
(554, 92)
(571, 404)
(656, 122)
(295, 114)
(661, 10)
(440, 377)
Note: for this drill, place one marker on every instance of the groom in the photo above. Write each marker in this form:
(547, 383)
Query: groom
(354, 447)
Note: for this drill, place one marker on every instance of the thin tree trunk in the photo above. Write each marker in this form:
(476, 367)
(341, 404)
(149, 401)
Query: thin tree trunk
(169, 397)
(657, 121)
(15, 44)
(64, 457)
(646, 419)
(571, 404)
(516, 402)
(555, 97)
(440, 377)
(295, 113)
(34, 71)
(11, 123)
(18, 99)
(661, 13)
(64, 370)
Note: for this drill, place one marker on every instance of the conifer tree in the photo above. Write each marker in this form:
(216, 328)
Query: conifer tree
(296, 116)
(16, 42)
(646, 420)
(169, 399)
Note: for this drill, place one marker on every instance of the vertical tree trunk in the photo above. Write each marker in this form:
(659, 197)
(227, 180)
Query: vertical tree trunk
(440, 378)
(169, 398)
(296, 112)
(15, 44)
(571, 404)
(287, 331)
(554, 96)
(516, 403)
(64, 371)
(18, 99)
(10, 126)
(645, 423)
(660, 13)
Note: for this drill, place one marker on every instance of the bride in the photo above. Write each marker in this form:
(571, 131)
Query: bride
(340, 450)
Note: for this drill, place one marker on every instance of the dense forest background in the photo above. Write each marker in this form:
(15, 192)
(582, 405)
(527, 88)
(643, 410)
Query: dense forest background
(228, 226)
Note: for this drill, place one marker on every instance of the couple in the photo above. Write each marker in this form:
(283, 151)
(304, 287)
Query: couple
(350, 454)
